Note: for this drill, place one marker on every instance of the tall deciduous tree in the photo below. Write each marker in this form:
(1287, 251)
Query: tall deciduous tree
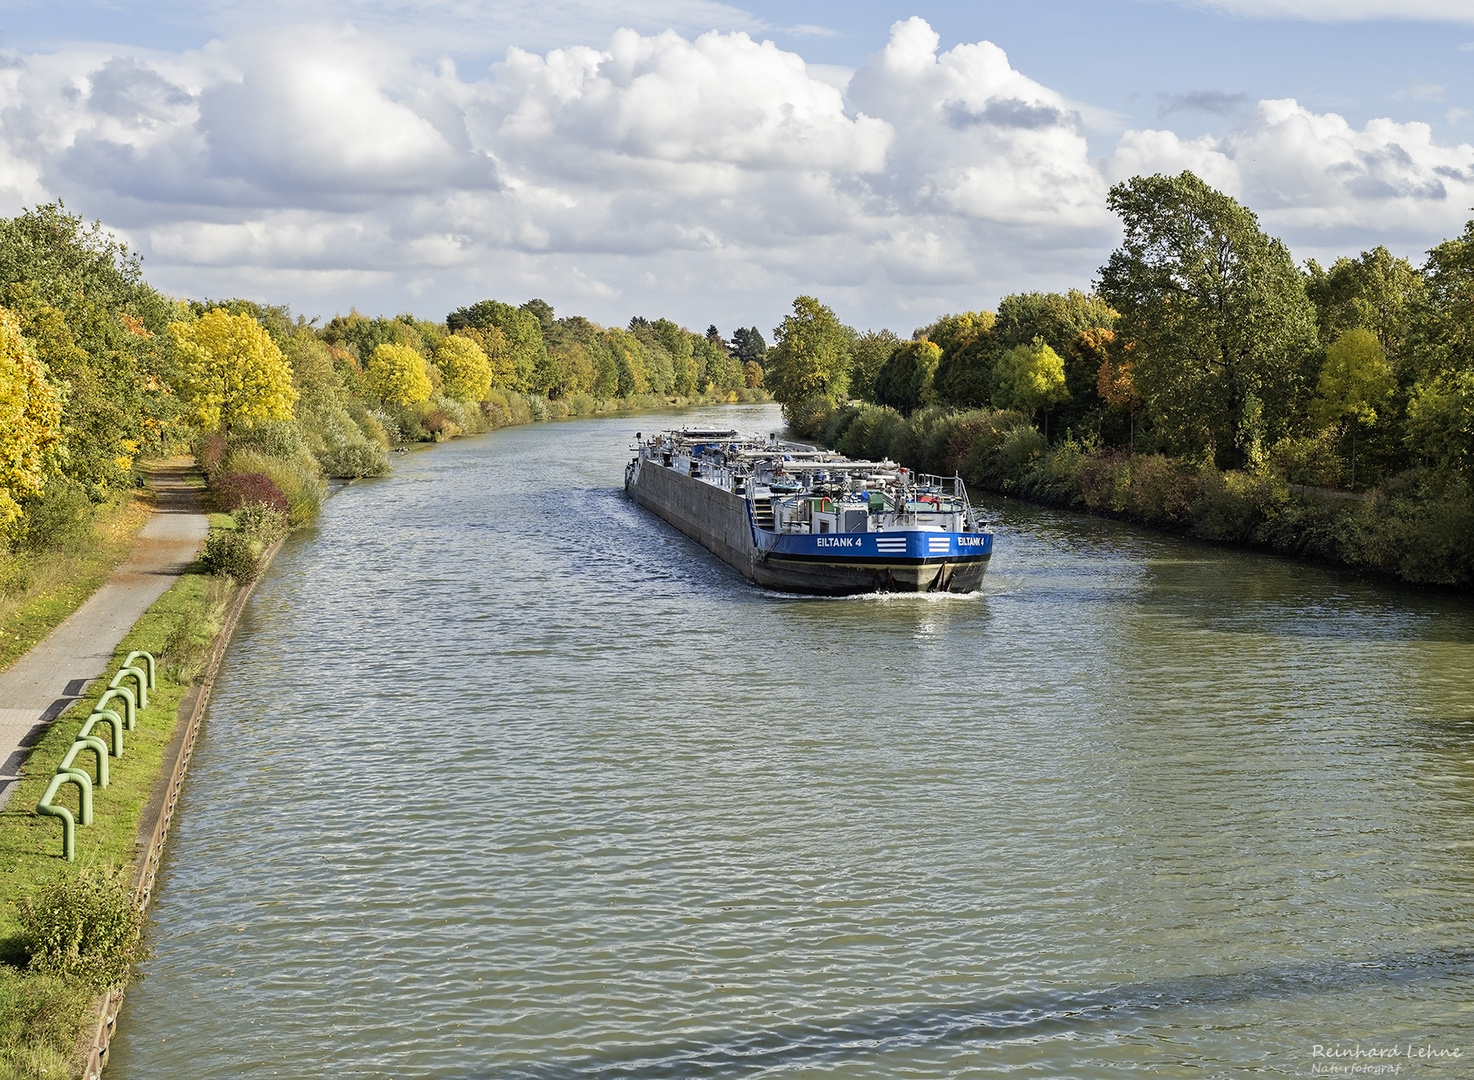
(1115, 378)
(464, 367)
(1355, 383)
(967, 358)
(1444, 331)
(1217, 312)
(871, 351)
(98, 328)
(397, 374)
(231, 372)
(30, 421)
(1029, 378)
(526, 352)
(1377, 292)
(904, 382)
(1441, 420)
(808, 369)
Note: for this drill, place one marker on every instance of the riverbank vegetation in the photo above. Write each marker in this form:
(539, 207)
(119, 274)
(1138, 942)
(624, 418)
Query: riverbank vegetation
(1206, 384)
(55, 954)
(99, 372)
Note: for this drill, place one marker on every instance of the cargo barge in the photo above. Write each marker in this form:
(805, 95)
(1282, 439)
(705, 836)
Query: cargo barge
(796, 518)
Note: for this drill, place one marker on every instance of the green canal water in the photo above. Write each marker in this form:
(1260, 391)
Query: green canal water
(504, 778)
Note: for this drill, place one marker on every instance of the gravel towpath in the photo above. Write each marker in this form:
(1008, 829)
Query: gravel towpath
(45, 681)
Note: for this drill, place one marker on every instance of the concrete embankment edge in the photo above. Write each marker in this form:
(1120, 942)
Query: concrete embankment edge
(153, 831)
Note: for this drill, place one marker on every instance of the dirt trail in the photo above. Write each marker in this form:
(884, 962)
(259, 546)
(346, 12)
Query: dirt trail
(46, 680)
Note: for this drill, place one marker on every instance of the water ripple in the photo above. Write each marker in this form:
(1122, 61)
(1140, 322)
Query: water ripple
(504, 778)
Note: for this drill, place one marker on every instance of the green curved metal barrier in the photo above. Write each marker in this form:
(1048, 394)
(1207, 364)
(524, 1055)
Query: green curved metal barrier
(99, 750)
(68, 771)
(137, 674)
(68, 824)
(130, 712)
(112, 720)
(149, 658)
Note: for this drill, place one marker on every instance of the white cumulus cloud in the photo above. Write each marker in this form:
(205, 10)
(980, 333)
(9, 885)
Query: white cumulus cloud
(1311, 174)
(710, 177)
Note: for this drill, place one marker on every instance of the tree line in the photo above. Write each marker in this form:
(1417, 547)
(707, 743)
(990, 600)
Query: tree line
(98, 369)
(1205, 381)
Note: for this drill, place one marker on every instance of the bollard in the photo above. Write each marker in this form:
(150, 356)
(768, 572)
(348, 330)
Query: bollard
(136, 673)
(112, 720)
(69, 824)
(98, 747)
(148, 656)
(130, 713)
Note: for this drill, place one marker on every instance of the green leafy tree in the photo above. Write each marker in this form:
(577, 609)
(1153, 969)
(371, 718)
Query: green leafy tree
(1442, 338)
(1217, 312)
(631, 362)
(494, 346)
(464, 367)
(526, 352)
(30, 422)
(658, 363)
(396, 373)
(872, 349)
(965, 369)
(99, 329)
(904, 382)
(808, 369)
(1440, 413)
(589, 367)
(1377, 292)
(543, 312)
(680, 345)
(1028, 378)
(1441, 421)
(231, 371)
(1355, 383)
(1070, 323)
(363, 335)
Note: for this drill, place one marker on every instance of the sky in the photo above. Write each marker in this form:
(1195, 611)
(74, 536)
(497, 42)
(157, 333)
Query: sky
(709, 161)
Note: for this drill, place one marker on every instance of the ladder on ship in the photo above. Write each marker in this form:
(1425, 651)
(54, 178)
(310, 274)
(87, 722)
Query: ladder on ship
(762, 512)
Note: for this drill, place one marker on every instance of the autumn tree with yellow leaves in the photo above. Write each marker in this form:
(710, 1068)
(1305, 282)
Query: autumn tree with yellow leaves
(397, 374)
(464, 367)
(231, 371)
(30, 421)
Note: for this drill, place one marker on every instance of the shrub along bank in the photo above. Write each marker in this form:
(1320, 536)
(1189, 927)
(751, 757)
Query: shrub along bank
(67, 931)
(1419, 527)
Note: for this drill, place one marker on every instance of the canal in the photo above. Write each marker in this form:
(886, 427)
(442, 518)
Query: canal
(505, 778)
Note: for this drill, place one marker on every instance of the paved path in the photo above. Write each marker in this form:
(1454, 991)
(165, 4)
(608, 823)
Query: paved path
(45, 681)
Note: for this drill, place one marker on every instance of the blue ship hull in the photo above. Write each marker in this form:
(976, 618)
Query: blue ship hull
(880, 562)
(835, 564)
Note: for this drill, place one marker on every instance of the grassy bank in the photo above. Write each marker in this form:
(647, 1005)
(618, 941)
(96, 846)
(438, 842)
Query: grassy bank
(43, 1014)
(1417, 527)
